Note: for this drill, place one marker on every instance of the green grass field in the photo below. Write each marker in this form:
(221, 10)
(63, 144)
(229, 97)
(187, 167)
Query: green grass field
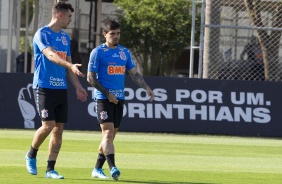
(148, 158)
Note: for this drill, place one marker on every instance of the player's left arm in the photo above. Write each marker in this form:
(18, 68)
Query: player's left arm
(139, 80)
(80, 91)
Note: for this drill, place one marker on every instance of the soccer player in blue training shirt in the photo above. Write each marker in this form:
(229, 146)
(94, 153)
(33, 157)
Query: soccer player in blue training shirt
(52, 63)
(106, 73)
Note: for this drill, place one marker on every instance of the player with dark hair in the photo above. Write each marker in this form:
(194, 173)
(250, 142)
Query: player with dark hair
(106, 73)
(53, 62)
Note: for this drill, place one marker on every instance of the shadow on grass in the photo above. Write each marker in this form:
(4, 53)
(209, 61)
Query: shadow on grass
(144, 182)
(160, 182)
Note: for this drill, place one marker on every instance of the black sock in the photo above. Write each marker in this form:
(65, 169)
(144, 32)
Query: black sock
(111, 160)
(100, 161)
(50, 165)
(32, 152)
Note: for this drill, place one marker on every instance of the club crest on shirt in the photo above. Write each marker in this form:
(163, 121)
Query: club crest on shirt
(103, 115)
(64, 40)
(44, 113)
(122, 55)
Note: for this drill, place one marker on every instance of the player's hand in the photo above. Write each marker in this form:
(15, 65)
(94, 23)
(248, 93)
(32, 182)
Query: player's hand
(112, 98)
(75, 70)
(81, 94)
(150, 93)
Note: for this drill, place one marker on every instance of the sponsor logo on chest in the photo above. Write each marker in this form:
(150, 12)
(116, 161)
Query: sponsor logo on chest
(116, 70)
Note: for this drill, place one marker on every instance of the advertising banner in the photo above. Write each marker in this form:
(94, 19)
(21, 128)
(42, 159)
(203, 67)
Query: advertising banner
(181, 105)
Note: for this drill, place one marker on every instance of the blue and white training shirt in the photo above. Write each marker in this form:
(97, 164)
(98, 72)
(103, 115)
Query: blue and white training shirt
(47, 74)
(110, 65)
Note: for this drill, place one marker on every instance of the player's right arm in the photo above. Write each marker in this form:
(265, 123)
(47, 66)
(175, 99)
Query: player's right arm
(92, 79)
(51, 54)
(42, 40)
(93, 69)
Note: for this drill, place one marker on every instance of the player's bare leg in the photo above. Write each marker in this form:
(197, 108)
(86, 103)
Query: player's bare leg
(108, 133)
(39, 137)
(55, 144)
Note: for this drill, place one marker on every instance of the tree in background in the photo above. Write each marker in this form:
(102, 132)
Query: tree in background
(156, 32)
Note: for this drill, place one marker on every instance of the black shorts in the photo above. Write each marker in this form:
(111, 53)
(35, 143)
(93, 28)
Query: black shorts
(52, 104)
(110, 112)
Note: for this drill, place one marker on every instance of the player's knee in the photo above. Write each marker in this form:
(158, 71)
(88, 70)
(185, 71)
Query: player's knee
(47, 128)
(108, 136)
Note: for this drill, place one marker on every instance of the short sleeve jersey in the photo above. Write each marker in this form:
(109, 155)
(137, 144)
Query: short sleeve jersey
(110, 65)
(47, 74)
